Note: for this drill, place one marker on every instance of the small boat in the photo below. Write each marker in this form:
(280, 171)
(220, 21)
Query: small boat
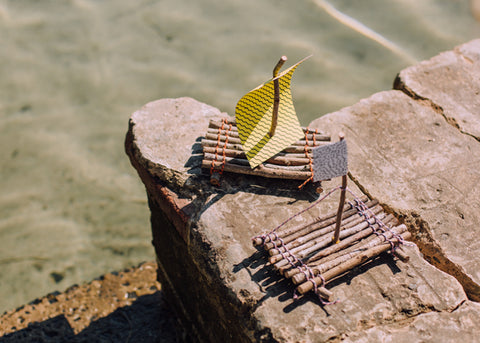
(265, 137)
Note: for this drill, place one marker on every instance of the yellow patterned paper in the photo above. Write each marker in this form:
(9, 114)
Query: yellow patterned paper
(253, 115)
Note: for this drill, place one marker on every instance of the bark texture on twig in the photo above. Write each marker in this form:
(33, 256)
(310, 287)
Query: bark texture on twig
(308, 256)
(223, 151)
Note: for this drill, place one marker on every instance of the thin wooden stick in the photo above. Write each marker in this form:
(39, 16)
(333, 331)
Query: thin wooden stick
(309, 231)
(285, 160)
(344, 243)
(244, 162)
(325, 294)
(234, 133)
(230, 146)
(334, 251)
(305, 249)
(367, 241)
(223, 138)
(401, 255)
(343, 190)
(276, 95)
(316, 224)
(323, 234)
(290, 158)
(218, 123)
(324, 269)
(359, 248)
(344, 267)
(260, 171)
(215, 131)
(290, 149)
(303, 252)
(228, 152)
(319, 136)
(284, 232)
(236, 140)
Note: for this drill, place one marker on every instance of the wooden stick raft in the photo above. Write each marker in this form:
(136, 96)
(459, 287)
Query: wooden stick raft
(310, 258)
(222, 151)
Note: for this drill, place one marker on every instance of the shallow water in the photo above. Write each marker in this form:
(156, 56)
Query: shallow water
(72, 72)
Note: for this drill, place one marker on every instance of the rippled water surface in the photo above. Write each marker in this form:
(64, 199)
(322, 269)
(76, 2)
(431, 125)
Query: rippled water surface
(72, 72)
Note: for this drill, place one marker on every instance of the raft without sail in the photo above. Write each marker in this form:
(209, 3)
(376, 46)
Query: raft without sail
(265, 138)
(317, 251)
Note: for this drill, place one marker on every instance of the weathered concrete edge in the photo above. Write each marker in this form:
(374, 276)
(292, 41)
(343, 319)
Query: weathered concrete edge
(222, 297)
(435, 255)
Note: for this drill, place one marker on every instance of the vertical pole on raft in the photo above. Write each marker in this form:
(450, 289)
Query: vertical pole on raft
(276, 96)
(343, 189)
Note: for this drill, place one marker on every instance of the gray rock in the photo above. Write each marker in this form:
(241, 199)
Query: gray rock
(405, 152)
(449, 81)
(219, 284)
(460, 325)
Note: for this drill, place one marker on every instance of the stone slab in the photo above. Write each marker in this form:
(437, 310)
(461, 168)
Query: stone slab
(409, 157)
(460, 325)
(222, 288)
(450, 81)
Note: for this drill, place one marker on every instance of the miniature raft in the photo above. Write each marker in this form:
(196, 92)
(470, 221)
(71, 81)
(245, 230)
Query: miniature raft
(222, 151)
(307, 256)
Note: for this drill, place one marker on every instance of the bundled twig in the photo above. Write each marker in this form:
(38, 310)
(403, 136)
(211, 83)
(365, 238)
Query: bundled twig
(309, 256)
(223, 151)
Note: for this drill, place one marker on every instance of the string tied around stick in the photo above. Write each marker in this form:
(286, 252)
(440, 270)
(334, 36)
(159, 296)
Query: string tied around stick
(395, 241)
(294, 252)
(307, 155)
(216, 179)
(290, 258)
(287, 255)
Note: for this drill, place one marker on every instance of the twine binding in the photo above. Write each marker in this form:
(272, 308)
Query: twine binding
(294, 262)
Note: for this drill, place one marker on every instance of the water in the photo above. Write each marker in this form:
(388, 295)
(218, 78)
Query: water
(72, 72)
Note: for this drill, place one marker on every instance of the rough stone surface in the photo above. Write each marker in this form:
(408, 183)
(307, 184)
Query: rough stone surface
(449, 81)
(406, 154)
(460, 325)
(118, 307)
(219, 284)
(175, 131)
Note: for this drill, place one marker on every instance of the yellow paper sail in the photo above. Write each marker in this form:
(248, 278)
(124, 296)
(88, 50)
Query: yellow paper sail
(253, 115)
